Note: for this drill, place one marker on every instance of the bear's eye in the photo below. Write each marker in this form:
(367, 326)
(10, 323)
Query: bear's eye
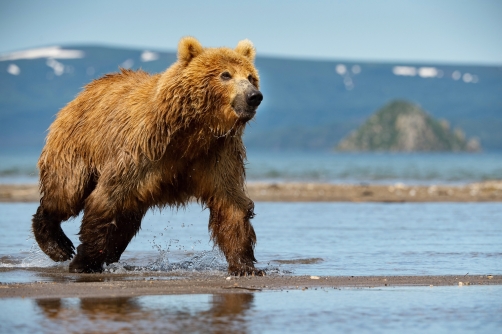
(251, 79)
(226, 76)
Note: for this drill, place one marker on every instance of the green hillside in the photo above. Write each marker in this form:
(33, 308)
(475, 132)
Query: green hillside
(404, 126)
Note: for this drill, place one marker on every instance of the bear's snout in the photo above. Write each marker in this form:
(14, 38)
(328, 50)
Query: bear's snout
(254, 98)
(247, 100)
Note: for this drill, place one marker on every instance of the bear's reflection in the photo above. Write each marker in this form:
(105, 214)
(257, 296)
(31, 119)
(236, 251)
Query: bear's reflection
(226, 313)
(50, 307)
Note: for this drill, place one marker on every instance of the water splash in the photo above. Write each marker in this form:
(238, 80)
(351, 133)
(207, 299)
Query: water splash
(209, 261)
(119, 268)
(274, 270)
(35, 259)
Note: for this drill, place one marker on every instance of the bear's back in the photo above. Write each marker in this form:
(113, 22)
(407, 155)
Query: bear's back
(109, 114)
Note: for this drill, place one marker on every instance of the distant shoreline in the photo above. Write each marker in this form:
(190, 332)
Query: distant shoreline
(488, 191)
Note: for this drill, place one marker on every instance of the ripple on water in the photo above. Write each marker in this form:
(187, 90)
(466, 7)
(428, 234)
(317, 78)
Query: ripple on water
(313, 260)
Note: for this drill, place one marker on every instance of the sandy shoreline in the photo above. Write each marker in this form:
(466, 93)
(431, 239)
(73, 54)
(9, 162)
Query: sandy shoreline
(113, 285)
(489, 191)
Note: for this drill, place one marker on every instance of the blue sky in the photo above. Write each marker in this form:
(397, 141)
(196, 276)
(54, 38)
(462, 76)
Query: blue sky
(446, 31)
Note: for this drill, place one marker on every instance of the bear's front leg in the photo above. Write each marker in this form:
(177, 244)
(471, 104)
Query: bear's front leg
(232, 232)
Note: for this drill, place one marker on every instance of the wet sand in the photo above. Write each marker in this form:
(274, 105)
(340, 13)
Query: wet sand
(489, 191)
(66, 285)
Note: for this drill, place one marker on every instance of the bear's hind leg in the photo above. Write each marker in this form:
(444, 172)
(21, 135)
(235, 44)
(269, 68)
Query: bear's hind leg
(105, 232)
(96, 225)
(107, 245)
(50, 236)
(126, 226)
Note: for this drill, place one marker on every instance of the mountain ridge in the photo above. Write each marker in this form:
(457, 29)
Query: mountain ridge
(308, 104)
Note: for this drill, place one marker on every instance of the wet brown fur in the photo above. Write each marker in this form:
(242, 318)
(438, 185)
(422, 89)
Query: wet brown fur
(131, 141)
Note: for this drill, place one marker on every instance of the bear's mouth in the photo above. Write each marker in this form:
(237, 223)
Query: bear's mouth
(245, 114)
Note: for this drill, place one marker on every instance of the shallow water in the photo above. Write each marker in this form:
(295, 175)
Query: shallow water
(293, 239)
(297, 238)
(390, 310)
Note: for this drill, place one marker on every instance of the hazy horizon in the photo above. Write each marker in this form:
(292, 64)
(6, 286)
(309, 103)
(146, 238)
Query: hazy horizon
(446, 32)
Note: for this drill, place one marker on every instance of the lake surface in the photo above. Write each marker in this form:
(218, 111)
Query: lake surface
(409, 168)
(293, 239)
(19, 166)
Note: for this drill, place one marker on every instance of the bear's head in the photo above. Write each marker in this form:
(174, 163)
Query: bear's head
(222, 84)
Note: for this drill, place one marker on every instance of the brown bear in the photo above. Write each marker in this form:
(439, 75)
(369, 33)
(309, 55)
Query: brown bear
(131, 141)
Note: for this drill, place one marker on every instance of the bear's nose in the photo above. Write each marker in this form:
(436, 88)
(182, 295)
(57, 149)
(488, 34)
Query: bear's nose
(254, 98)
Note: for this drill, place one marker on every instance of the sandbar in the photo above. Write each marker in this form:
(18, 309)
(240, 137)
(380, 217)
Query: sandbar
(488, 191)
(65, 285)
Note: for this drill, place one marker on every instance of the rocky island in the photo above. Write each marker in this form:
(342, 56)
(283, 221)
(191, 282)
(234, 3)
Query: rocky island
(402, 126)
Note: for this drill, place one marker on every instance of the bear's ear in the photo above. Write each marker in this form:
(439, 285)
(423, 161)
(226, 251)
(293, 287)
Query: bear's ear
(246, 48)
(188, 49)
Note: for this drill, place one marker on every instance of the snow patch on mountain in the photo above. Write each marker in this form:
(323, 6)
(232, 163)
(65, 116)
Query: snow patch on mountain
(55, 52)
